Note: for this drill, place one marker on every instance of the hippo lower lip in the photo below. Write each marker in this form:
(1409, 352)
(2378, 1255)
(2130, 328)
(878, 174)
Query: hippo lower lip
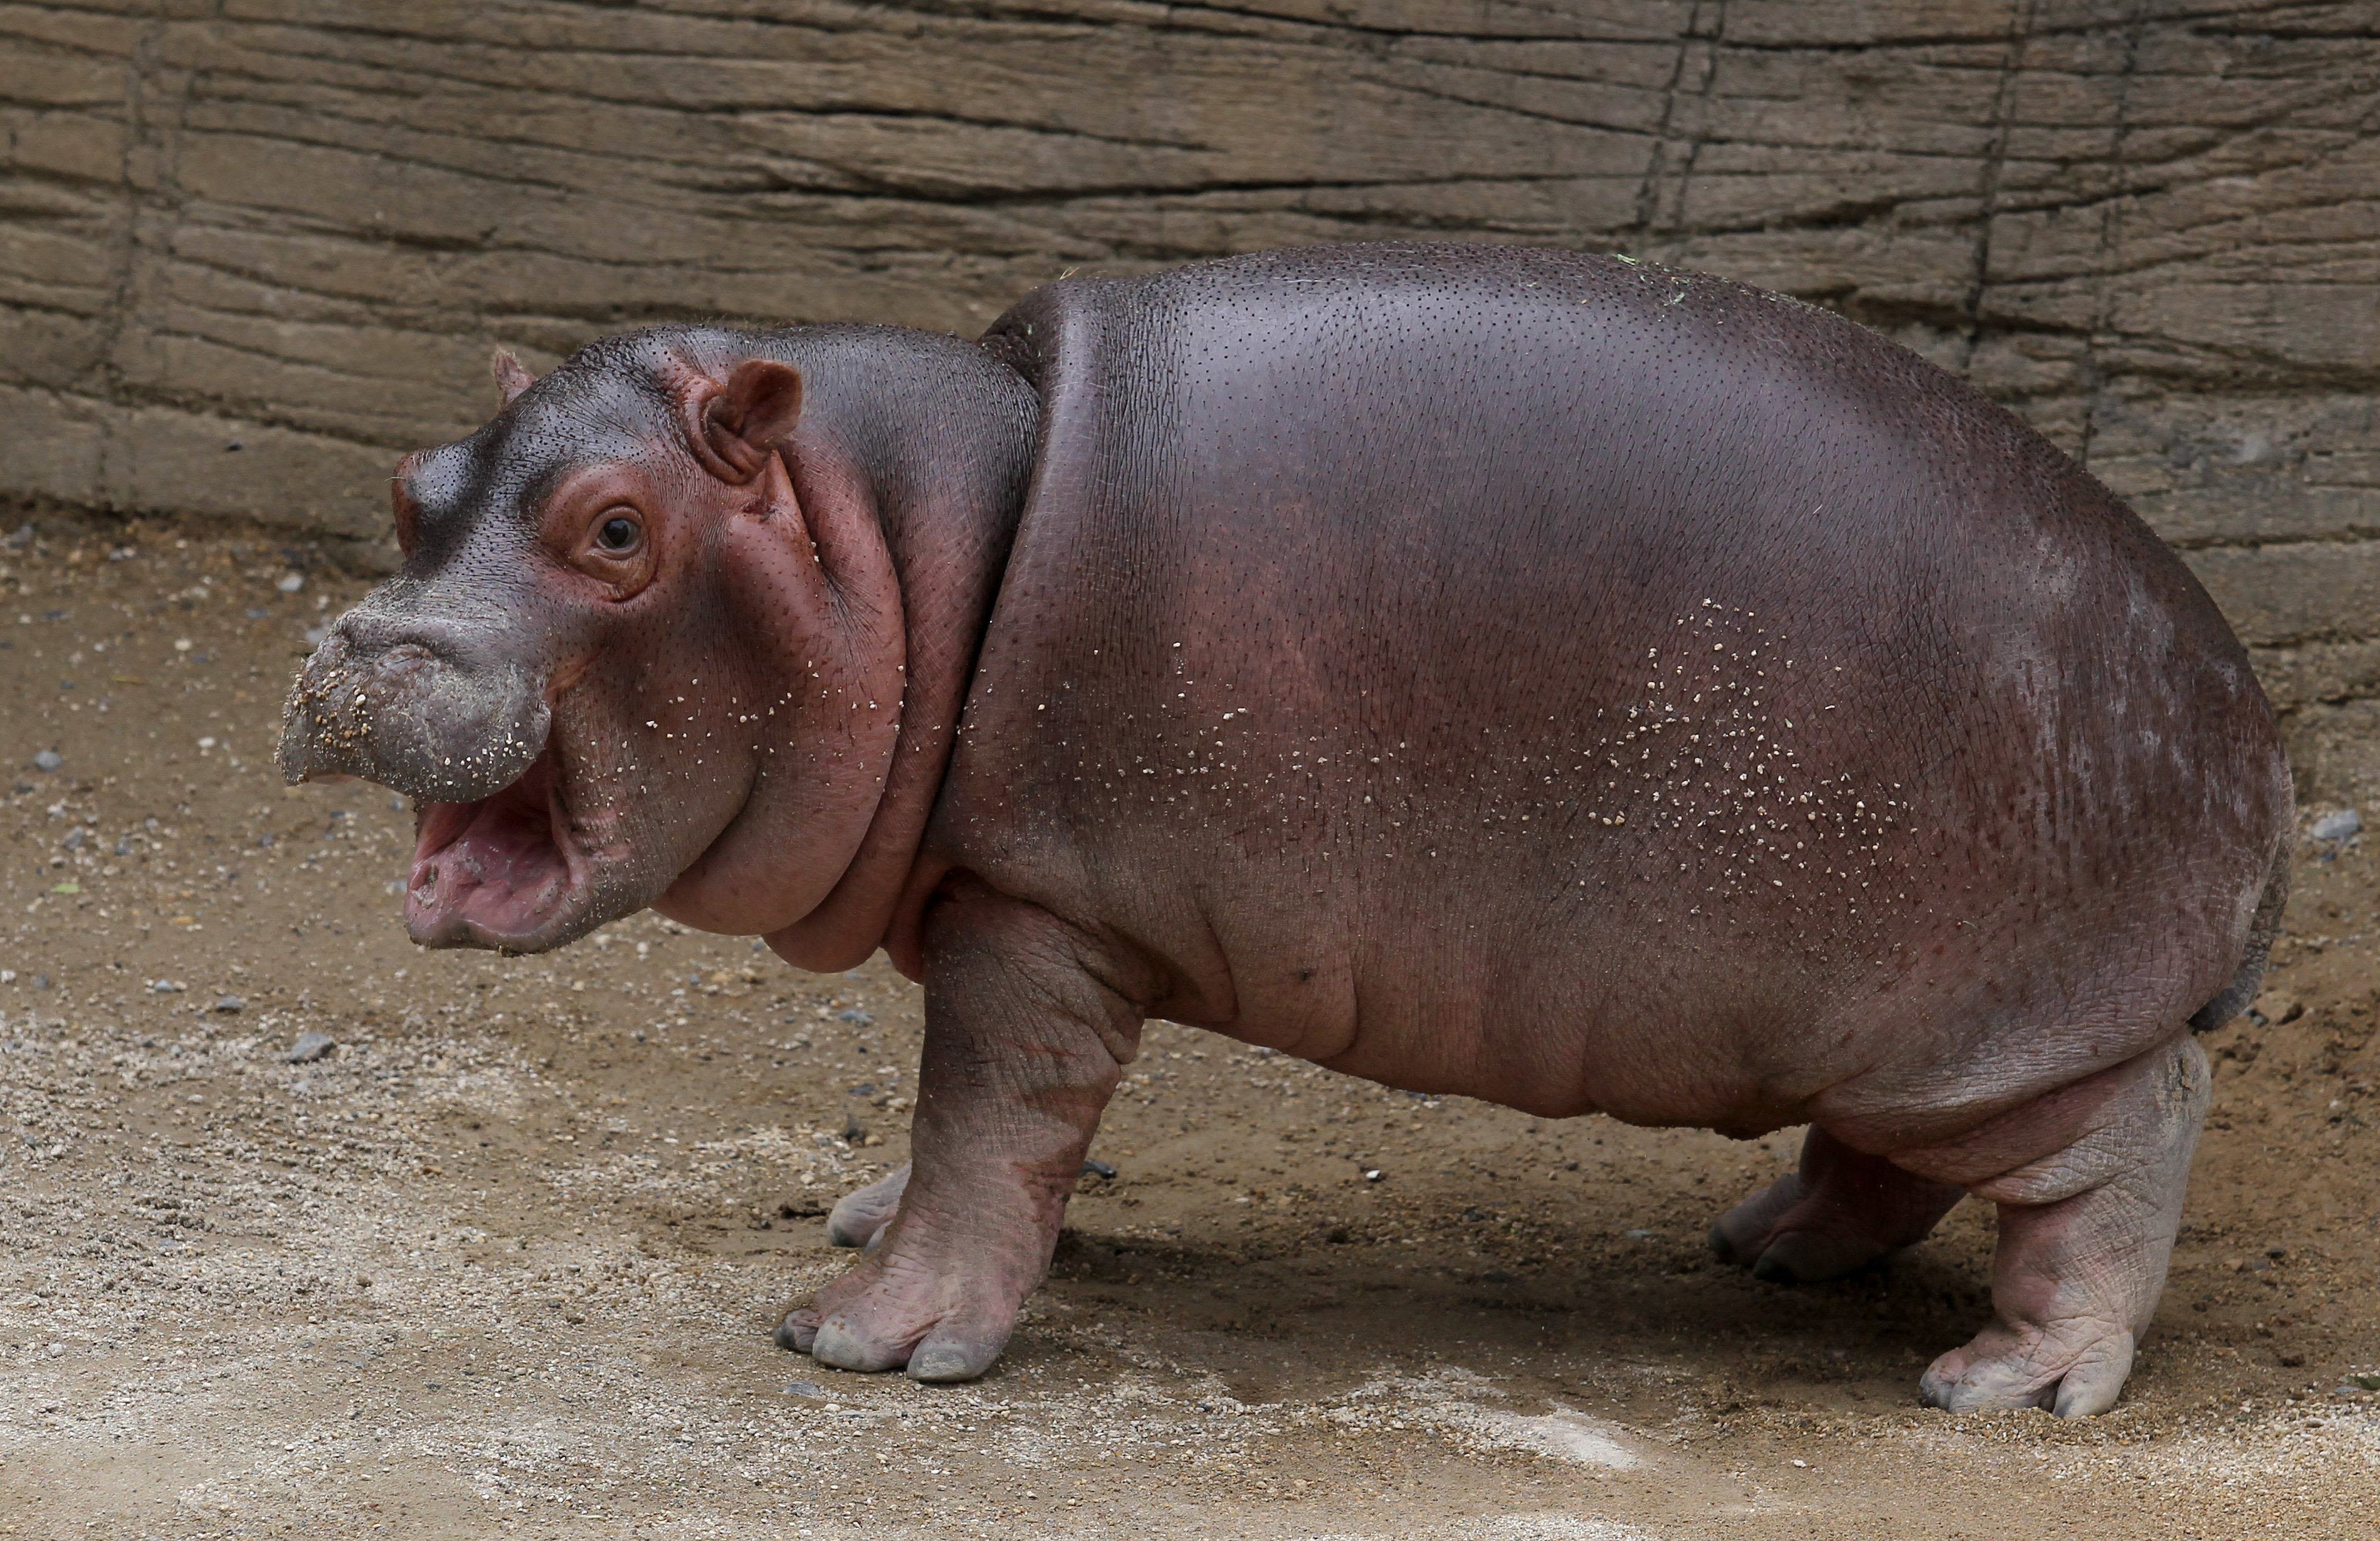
(496, 871)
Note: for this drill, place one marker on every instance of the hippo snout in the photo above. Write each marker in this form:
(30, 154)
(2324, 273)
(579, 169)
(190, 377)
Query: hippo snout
(425, 708)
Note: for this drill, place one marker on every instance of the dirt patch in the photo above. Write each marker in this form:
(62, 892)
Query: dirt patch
(504, 1261)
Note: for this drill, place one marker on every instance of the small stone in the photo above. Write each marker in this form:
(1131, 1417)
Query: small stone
(291, 582)
(48, 760)
(1372, 1174)
(165, 986)
(2274, 1006)
(853, 1015)
(2339, 826)
(310, 1047)
(230, 1005)
(1098, 1169)
(803, 1388)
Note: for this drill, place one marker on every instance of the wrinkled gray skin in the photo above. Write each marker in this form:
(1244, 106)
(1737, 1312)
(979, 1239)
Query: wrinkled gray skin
(1523, 675)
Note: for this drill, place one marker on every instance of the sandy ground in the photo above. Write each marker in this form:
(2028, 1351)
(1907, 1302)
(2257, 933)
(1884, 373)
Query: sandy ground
(505, 1261)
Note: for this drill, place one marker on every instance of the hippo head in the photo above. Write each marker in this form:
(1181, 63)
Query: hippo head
(644, 649)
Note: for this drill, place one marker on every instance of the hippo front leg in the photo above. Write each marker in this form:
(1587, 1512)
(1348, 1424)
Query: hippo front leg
(1023, 1047)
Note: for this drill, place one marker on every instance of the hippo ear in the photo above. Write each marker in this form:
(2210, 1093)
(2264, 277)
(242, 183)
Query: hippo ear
(740, 424)
(512, 377)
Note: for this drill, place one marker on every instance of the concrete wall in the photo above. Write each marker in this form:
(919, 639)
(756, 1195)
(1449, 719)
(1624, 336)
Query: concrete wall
(254, 249)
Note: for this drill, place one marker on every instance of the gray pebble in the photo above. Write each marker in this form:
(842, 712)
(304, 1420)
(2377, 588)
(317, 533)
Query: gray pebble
(2341, 825)
(804, 1389)
(310, 1047)
(230, 1004)
(1098, 1169)
(48, 760)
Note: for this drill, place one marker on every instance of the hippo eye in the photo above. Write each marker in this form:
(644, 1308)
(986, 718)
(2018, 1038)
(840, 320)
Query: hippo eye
(618, 534)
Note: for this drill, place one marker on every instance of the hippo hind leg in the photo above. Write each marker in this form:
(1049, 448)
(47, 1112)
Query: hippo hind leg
(1840, 1211)
(2089, 1183)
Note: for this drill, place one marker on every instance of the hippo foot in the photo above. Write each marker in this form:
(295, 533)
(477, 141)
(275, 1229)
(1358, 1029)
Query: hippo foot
(2086, 1230)
(1841, 1212)
(2074, 1368)
(941, 1316)
(860, 1216)
(1023, 1047)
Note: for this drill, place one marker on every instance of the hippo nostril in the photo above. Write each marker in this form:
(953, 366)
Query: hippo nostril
(428, 706)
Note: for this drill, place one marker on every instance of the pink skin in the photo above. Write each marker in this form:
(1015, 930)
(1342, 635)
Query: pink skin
(1023, 1050)
(860, 1216)
(776, 797)
(1841, 1212)
(787, 798)
(1429, 755)
(501, 865)
(2089, 1183)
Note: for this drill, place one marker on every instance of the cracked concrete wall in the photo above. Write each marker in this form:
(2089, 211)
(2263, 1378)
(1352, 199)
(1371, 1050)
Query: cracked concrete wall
(255, 249)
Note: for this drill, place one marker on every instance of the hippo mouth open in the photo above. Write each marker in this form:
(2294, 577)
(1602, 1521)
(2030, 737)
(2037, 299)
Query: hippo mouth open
(505, 871)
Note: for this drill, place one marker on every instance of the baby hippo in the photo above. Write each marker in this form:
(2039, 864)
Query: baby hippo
(1541, 677)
